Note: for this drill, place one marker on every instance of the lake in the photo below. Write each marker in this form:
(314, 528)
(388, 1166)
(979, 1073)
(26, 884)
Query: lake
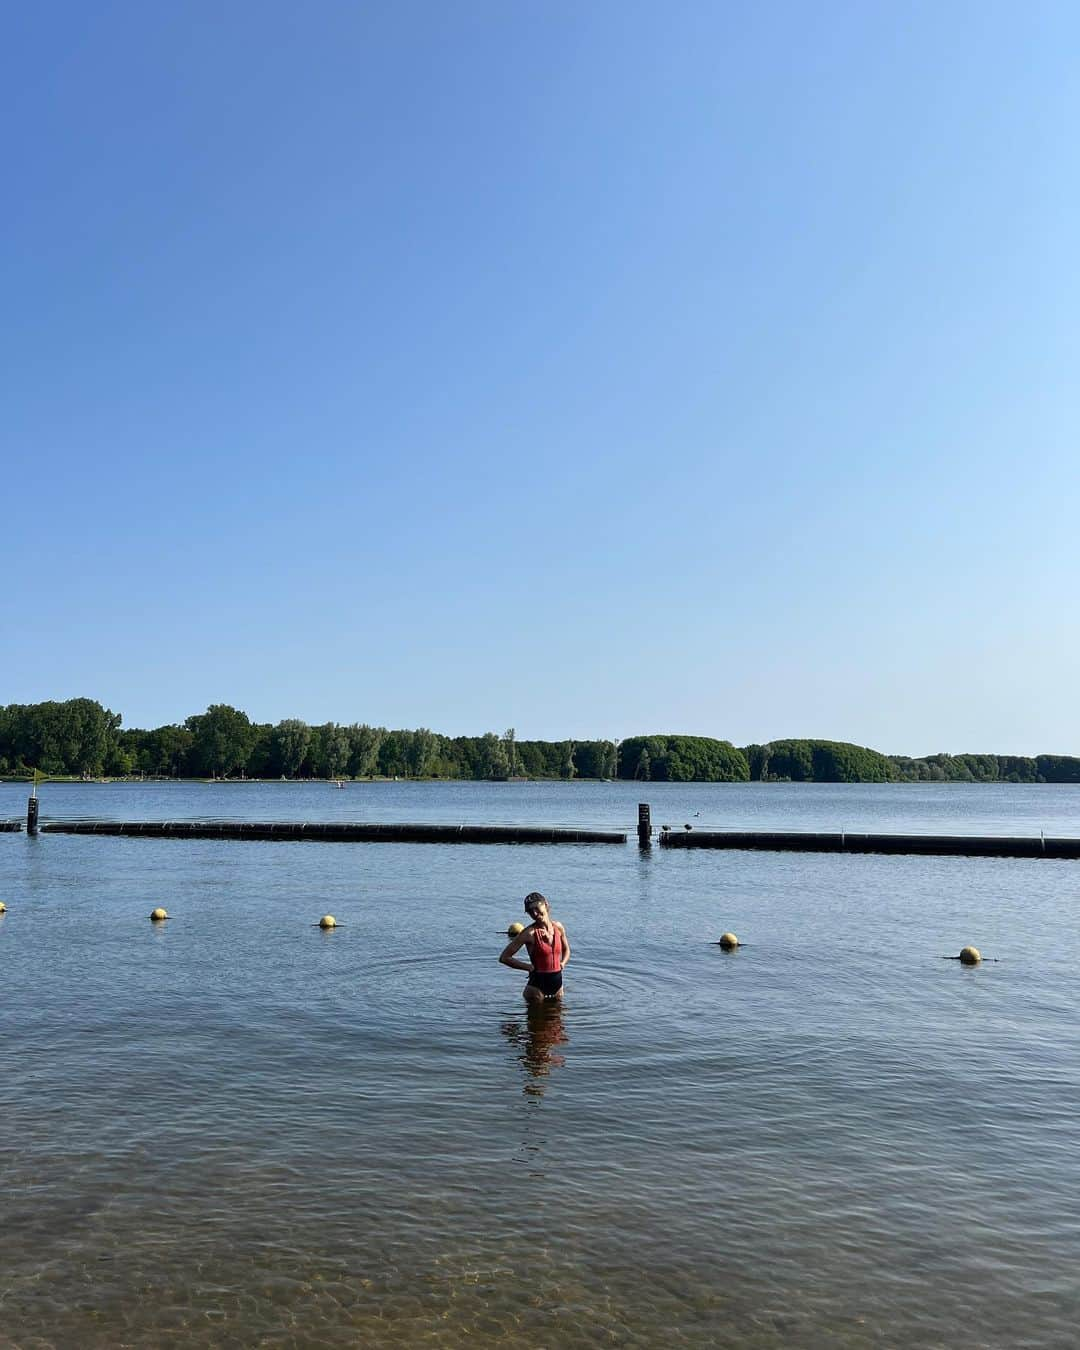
(235, 1129)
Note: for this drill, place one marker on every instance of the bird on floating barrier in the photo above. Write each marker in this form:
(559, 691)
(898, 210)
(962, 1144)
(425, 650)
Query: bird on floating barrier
(688, 827)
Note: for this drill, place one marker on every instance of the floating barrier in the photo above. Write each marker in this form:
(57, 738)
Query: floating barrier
(335, 831)
(985, 846)
(795, 841)
(11, 826)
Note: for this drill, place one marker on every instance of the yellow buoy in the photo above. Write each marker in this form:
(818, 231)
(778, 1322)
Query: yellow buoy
(3, 907)
(156, 915)
(515, 929)
(328, 921)
(970, 956)
(728, 941)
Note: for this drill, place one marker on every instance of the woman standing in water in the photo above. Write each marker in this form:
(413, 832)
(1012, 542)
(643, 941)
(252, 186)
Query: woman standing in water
(548, 947)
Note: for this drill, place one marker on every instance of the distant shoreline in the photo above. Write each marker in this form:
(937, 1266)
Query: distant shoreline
(69, 780)
(80, 740)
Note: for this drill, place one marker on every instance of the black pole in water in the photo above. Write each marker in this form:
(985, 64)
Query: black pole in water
(31, 815)
(644, 825)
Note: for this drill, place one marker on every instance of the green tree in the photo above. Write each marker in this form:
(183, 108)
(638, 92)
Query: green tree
(1044, 769)
(262, 760)
(163, 752)
(682, 759)
(122, 761)
(791, 759)
(394, 754)
(757, 758)
(364, 745)
(493, 758)
(221, 740)
(422, 751)
(593, 759)
(839, 762)
(90, 735)
(540, 759)
(78, 736)
(292, 740)
(701, 759)
(335, 747)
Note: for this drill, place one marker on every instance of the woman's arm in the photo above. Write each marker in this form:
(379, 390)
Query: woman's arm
(515, 944)
(565, 944)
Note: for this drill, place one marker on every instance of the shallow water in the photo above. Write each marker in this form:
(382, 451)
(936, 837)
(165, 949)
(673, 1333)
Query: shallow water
(235, 1129)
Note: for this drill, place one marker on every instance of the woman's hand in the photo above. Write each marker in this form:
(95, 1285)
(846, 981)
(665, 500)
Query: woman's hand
(506, 956)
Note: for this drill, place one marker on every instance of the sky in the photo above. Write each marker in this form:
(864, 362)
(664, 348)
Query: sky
(592, 369)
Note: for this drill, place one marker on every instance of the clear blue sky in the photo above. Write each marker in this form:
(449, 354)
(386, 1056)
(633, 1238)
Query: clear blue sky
(588, 368)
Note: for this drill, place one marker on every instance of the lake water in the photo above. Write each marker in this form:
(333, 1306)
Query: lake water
(235, 1129)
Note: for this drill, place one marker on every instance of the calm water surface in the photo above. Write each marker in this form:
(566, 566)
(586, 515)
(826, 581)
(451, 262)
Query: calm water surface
(235, 1129)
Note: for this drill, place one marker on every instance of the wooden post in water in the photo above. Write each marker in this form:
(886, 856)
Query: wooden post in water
(644, 825)
(31, 812)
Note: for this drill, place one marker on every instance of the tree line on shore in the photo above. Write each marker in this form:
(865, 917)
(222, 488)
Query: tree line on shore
(81, 738)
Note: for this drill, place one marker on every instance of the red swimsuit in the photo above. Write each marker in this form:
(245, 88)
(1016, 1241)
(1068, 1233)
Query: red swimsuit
(546, 953)
(547, 958)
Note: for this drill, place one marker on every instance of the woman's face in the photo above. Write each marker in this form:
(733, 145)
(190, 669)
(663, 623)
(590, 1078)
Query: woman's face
(537, 910)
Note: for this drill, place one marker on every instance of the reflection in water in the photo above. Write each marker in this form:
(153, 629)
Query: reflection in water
(536, 1036)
